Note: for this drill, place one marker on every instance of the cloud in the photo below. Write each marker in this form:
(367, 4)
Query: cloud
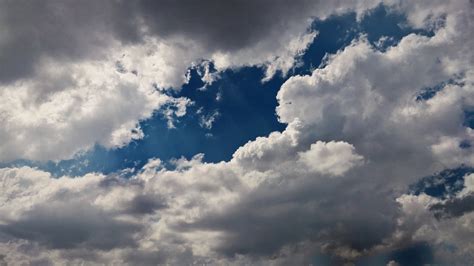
(206, 121)
(454, 207)
(57, 226)
(446, 224)
(334, 158)
(356, 117)
(57, 115)
(392, 263)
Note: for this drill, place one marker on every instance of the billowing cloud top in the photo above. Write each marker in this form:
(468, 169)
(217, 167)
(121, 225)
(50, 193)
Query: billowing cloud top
(332, 187)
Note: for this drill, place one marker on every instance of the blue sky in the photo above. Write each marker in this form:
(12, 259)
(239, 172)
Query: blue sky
(157, 132)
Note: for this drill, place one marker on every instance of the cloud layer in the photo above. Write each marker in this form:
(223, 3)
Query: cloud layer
(333, 183)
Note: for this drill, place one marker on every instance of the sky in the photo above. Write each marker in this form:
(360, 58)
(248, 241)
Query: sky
(236, 132)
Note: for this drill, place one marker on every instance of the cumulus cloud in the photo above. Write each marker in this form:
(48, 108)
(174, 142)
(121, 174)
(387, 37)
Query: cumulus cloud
(145, 212)
(333, 182)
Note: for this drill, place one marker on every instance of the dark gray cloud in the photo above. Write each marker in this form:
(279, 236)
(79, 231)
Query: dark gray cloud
(274, 217)
(65, 30)
(72, 225)
(454, 207)
(145, 204)
(76, 30)
(223, 25)
(2, 260)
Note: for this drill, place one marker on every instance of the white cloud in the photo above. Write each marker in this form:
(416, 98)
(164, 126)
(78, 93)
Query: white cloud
(206, 121)
(276, 54)
(334, 158)
(393, 263)
(68, 107)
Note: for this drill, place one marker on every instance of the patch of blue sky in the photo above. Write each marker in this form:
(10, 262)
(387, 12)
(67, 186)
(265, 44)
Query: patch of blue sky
(443, 184)
(415, 254)
(469, 117)
(430, 92)
(240, 105)
(465, 144)
(382, 28)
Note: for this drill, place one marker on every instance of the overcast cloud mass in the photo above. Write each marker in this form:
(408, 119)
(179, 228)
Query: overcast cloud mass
(374, 165)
